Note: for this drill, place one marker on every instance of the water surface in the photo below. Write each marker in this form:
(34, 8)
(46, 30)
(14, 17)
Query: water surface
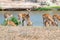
(35, 16)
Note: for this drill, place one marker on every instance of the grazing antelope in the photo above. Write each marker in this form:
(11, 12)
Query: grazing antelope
(56, 17)
(48, 20)
(25, 17)
(7, 17)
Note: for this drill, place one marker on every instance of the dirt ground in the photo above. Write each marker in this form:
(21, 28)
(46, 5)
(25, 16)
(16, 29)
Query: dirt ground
(29, 33)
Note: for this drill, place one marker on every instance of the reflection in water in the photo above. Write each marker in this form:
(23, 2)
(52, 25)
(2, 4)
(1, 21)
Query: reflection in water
(36, 16)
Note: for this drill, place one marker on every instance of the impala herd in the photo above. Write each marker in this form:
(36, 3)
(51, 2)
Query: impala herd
(48, 20)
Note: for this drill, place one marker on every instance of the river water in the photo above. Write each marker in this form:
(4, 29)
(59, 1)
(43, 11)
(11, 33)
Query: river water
(35, 16)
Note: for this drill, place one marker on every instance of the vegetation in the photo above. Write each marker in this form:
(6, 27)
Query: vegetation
(48, 8)
(57, 8)
(13, 19)
(43, 9)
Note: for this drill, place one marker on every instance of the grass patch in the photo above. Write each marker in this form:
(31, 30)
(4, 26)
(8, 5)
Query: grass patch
(43, 9)
(48, 8)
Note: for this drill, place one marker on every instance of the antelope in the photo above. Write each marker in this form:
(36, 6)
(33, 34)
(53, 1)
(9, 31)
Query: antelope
(48, 20)
(56, 17)
(9, 22)
(25, 17)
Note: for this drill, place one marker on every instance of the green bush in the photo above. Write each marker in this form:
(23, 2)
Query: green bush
(15, 21)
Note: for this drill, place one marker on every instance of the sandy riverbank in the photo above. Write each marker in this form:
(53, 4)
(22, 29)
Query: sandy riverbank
(29, 33)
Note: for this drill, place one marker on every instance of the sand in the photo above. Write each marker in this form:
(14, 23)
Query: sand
(29, 33)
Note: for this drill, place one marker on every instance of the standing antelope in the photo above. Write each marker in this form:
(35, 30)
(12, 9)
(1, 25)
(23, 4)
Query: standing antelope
(25, 17)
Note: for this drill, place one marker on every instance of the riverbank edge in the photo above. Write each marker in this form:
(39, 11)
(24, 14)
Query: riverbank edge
(53, 27)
